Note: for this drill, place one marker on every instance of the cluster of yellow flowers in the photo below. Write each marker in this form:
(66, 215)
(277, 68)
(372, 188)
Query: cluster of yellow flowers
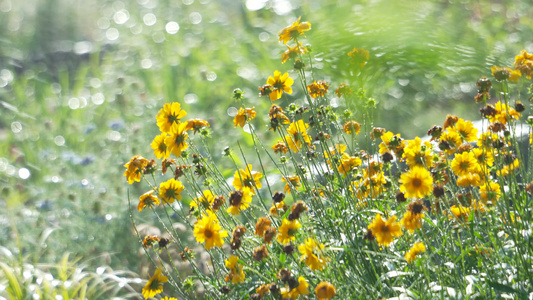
(326, 174)
(428, 169)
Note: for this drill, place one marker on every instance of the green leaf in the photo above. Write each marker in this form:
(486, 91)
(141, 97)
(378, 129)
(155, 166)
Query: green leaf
(502, 287)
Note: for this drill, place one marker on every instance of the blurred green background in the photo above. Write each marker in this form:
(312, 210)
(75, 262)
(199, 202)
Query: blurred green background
(81, 82)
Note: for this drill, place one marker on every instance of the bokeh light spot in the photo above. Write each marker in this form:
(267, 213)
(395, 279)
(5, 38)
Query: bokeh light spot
(24, 173)
(16, 127)
(195, 18)
(112, 34)
(172, 27)
(59, 140)
(149, 19)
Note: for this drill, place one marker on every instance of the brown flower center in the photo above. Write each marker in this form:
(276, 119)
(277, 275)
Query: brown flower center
(208, 233)
(417, 182)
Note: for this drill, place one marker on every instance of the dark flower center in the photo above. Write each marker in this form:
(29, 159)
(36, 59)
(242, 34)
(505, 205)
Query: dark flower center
(417, 182)
(180, 139)
(172, 118)
(154, 285)
(464, 165)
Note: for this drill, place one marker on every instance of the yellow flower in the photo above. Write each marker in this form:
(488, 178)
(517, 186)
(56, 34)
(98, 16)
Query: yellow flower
(176, 141)
(465, 129)
(247, 179)
(391, 143)
(334, 151)
(524, 63)
(416, 154)
(208, 230)
(385, 231)
(465, 163)
(484, 156)
(160, 148)
(293, 31)
(236, 274)
(373, 182)
(134, 168)
(351, 126)
(147, 199)
(312, 254)
(515, 76)
(287, 231)
(359, 189)
(297, 133)
(468, 180)
(154, 285)
(277, 117)
(417, 248)
(196, 124)
(206, 200)
(359, 56)
(150, 240)
(263, 289)
(243, 115)
(343, 90)
(301, 289)
(280, 147)
(277, 207)
(170, 114)
(293, 181)
(348, 163)
(325, 290)
(452, 139)
(490, 193)
(239, 200)
(486, 140)
(504, 113)
(416, 183)
(478, 206)
(318, 88)
(280, 83)
(293, 52)
(460, 212)
(411, 221)
(508, 169)
(170, 190)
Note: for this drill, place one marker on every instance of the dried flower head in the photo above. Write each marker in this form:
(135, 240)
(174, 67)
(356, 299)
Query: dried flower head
(260, 253)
